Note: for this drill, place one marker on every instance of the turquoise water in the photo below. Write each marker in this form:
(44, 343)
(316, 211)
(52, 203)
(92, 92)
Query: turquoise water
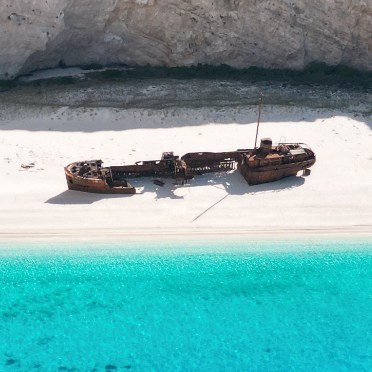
(195, 309)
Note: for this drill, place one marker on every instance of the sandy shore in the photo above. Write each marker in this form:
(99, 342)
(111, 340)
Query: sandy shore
(336, 199)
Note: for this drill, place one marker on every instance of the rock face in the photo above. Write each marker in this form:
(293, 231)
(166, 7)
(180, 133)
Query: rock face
(241, 33)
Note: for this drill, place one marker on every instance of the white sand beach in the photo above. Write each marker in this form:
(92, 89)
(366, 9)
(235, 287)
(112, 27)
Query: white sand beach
(35, 203)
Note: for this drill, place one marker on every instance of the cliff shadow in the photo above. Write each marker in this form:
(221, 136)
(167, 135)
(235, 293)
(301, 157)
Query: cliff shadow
(138, 104)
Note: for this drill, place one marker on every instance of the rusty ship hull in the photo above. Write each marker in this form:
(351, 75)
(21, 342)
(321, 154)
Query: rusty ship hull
(91, 176)
(95, 179)
(264, 164)
(275, 163)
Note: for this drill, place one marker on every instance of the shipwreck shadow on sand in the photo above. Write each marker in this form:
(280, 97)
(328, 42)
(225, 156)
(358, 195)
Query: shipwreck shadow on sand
(234, 184)
(230, 182)
(237, 186)
(161, 192)
(70, 197)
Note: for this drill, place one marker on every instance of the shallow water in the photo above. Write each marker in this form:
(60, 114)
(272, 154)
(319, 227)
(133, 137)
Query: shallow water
(187, 308)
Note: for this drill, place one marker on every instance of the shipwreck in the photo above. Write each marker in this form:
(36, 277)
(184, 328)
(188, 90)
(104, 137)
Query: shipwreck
(266, 163)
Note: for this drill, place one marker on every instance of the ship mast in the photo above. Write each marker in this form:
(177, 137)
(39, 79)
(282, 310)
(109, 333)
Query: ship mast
(259, 117)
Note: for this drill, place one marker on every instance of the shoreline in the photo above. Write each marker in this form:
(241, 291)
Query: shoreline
(179, 236)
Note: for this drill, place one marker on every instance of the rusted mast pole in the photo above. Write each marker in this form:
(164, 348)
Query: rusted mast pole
(259, 117)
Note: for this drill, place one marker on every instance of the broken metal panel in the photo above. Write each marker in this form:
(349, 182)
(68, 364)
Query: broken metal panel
(299, 151)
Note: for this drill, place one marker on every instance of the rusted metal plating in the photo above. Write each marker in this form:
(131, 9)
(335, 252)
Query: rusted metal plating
(259, 165)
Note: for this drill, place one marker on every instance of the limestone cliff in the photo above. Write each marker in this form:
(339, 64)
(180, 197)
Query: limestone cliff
(241, 33)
